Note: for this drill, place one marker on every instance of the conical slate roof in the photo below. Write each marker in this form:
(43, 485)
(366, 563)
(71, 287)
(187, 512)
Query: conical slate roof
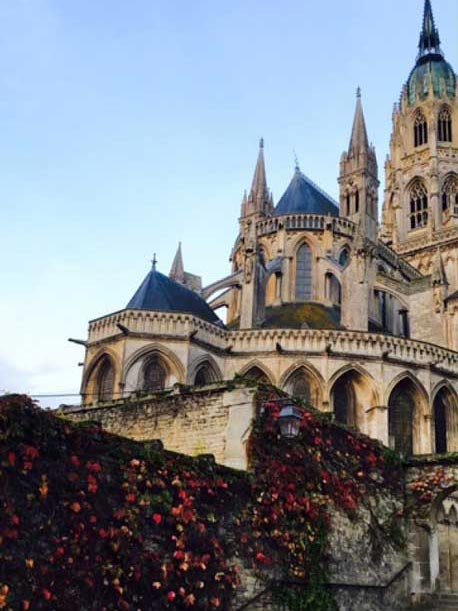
(303, 197)
(162, 294)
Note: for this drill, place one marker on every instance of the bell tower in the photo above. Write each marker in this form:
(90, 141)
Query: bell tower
(359, 178)
(421, 192)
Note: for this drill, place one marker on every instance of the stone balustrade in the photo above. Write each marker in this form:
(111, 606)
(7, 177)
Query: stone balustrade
(156, 324)
(315, 222)
(305, 341)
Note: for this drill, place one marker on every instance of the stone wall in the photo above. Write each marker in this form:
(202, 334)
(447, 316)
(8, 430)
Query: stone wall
(212, 420)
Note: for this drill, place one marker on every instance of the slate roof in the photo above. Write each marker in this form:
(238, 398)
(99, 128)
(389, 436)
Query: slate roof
(304, 197)
(162, 294)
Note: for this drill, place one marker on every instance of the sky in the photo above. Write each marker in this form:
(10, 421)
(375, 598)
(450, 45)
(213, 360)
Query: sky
(126, 127)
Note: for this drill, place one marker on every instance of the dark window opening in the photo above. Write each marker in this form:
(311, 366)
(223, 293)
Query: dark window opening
(106, 377)
(154, 376)
(304, 274)
(418, 206)
(420, 130)
(440, 422)
(445, 126)
(400, 416)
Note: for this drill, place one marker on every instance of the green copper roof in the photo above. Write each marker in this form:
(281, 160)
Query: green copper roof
(432, 71)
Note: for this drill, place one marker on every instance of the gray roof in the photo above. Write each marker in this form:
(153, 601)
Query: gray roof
(304, 197)
(162, 294)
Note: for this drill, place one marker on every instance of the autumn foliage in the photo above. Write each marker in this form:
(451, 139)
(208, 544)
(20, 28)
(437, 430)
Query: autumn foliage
(91, 521)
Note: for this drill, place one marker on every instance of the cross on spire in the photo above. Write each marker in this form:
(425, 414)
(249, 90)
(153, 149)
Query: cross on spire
(154, 262)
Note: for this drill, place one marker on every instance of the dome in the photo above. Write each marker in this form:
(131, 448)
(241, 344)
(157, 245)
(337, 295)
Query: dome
(303, 197)
(431, 71)
(162, 294)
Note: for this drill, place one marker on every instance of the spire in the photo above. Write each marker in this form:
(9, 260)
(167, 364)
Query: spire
(177, 269)
(259, 185)
(359, 142)
(429, 37)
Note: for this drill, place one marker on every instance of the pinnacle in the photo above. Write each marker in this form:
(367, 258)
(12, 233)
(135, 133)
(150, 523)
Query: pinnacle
(359, 142)
(259, 184)
(429, 37)
(177, 269)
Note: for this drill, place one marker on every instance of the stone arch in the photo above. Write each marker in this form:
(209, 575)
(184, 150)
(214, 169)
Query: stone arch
(420, 127)
(304, 376)
(444, 403)
(259, 370)
(134, 368)
(208, 369)
(353, 392)
(407, 405)
(92, 383)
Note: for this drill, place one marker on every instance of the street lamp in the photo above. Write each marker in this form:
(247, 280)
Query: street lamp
(290, 420)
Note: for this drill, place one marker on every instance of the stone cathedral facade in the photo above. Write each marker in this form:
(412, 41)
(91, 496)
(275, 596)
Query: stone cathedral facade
(357, 317)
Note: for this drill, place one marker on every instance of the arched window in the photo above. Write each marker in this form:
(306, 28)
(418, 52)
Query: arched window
(344, 400)
(299, 386)
(357, 201)
(304, 274)
(344, 257)
(450, 195)
(348, 203)
(105, 380)
(418, 197)
(440, 424)
(444, 125)
(401, 408)
(420, 129)
(154, 375)
(204, 375)
(333, 289)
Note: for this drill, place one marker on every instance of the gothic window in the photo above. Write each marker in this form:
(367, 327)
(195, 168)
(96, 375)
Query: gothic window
(304, 274)
(344, 400)
(204, 376)
(300, 386)
(344, 257)
(348, 203)
(154, 375)
(440, 423)
(420, 129)
(444, 126)
(450, 195)
(400, 418)
(418, 205)
(105, 380)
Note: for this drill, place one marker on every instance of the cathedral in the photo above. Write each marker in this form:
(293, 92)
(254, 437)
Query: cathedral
(355, 316)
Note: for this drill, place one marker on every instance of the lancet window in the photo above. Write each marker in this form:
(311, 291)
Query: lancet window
(304, 274)
(444, 125)
(420, 129)
(106, 377)
(450, 195)
(418, 206)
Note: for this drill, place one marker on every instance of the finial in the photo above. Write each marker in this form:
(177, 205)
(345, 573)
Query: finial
(261, 143)
(297, 167)
(154, 262)
(358, 92)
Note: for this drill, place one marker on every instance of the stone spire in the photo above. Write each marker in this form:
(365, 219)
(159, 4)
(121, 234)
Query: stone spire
(259, 185)
(177, 269)
(429, 37)
(259, 200)
(359, 142)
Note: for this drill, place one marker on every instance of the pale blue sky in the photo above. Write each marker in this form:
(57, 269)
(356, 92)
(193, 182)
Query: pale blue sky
(127, 126)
